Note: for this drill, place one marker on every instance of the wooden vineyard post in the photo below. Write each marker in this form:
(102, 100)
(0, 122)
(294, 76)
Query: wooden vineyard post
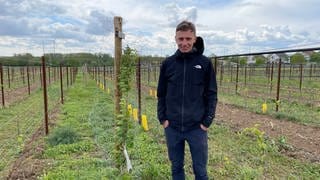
(45, 97)
(301, 77)
(61, 84)
(28, 79)
(278, 86)
(104, 78)
(138, 71)
(215, 65)
(117, 57)
(67, 76)
(49, 75)
(245, 75)
(221, 73)
(237, 78)
(8, 72)
(2, 90)
(271, 77)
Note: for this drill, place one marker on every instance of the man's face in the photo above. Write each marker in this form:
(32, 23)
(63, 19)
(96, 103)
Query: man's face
(185, 40)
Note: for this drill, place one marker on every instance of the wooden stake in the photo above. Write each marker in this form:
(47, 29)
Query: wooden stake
(117, 58)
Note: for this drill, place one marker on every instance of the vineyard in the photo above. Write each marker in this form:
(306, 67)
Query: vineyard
(96, 121)
(244, 142)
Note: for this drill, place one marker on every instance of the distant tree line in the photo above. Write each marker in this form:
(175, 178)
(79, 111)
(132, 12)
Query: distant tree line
(101, 59)
(297, 58)
(71, 59)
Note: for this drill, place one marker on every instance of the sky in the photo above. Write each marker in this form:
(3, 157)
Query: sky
(227, 26)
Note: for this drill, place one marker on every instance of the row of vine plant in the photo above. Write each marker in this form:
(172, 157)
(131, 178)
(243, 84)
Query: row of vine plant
(123, 136)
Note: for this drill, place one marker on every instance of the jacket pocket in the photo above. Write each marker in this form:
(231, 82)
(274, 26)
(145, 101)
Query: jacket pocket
(197, 83)
(197, 76)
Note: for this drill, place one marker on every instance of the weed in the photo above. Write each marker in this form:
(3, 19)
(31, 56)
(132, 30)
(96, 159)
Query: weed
(258, 135)
(63, 135)
(282, 143)
(280, 115)
(250, 173)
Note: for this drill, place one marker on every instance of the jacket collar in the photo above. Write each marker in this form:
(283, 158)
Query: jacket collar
(193, 52)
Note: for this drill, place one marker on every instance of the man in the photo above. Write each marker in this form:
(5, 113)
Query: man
(187, 98)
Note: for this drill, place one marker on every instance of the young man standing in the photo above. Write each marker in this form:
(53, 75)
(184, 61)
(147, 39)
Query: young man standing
(187, 98)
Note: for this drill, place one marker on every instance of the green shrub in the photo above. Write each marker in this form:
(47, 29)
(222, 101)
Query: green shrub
(63, 135)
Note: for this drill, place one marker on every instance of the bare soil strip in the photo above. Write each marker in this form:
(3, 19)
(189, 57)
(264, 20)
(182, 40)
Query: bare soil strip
(305, 140)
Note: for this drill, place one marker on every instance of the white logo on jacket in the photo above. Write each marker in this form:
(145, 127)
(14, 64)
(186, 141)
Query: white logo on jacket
(197, 66)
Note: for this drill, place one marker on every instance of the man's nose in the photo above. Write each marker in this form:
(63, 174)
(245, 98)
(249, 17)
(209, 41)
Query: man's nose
(184, 42)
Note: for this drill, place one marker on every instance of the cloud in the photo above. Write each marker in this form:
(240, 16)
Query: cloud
(262, 38)
(15, 27)
(150, 26)
(99, 23)
(35, 8)
(23, 18)
(175, 14)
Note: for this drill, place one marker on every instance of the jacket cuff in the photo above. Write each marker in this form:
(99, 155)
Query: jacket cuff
(208, 121)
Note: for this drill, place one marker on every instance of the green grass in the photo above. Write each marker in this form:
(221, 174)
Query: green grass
(244, 156)
(295, 112)
(89, 111)
(19, 121)
(82, 159)
(146, 154)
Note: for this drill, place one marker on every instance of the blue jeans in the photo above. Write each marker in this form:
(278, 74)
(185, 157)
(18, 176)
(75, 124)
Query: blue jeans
(198, 143)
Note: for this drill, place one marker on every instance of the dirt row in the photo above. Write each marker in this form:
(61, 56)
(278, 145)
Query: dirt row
(17, 95)
(29, 165)
(304, 140)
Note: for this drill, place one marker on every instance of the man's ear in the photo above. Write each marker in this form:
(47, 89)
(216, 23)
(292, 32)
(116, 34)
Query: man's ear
(194, 40)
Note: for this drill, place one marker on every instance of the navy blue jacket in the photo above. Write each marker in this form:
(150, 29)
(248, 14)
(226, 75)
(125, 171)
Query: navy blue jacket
(187, 91)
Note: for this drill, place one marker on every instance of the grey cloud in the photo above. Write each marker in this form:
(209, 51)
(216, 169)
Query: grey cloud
(23, 17)
(65, 31)
(277, 33)
(191, 14)
(217, 38)
(41, 19)
(11, 26)
(9, 7)
(175, 14)
(99, 23)
(27, 8)
(80, 36)
(244, 35)
(265, 36)
(162, 40)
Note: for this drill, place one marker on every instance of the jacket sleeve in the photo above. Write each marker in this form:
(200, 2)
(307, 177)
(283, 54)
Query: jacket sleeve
(161, 94)
(210, 95)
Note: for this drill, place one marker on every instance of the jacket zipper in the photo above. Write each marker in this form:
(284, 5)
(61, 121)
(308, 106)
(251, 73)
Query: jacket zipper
(183, 89)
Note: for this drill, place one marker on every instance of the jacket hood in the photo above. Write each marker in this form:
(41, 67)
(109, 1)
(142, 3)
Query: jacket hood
(199, 45)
